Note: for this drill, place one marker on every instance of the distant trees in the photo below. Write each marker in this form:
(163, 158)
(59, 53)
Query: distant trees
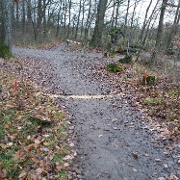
(142, 22)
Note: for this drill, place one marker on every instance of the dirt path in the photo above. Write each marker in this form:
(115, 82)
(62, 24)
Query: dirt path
(111, 139)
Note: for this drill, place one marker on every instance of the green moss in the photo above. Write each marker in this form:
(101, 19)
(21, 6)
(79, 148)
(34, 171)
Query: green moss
(113, 67)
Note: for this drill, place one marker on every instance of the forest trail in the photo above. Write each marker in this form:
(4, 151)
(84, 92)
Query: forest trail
(111, 139)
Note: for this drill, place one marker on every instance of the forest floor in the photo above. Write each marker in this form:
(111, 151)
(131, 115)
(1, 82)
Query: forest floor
(120, 128)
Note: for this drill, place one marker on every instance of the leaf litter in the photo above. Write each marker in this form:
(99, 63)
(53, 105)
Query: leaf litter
(160, 102)
(33, 136)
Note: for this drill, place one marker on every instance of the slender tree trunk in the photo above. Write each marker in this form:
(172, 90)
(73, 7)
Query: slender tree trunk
(160, 26)
(23, 17)
(82, 22)
(127, 13)
(39, 18)
(117, 12)
(29, 16)
(113, 12)
(88, 20)
(148, 27)
(145, 20)
(77, 26)
(69, 23)
(131, 25)
(148, 23)
(17, 13)
(44, 18)
(58, 21)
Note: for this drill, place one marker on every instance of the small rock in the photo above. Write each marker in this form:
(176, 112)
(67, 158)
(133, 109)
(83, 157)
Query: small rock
(161, 178)
(135, 155)
(79, 176)
(6, 140)
(130, 165)
(116, 128)
(135, 170)
(165, 166)
(71, 127)
(66, 164)
(71, 144)
(178, 161)
(70, 131)
(157, 160)
(146, 155)
(68, 157)
(10, 144)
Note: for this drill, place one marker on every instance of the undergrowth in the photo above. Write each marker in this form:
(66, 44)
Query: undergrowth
(32, 132)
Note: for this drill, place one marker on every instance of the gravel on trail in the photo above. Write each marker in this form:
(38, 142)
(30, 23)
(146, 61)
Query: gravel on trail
(111, 138)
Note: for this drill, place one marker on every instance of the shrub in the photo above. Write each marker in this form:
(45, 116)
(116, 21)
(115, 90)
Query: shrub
(4, 51)
(113, 67)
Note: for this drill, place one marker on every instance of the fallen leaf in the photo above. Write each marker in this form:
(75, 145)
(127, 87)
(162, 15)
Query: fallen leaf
(23, 175)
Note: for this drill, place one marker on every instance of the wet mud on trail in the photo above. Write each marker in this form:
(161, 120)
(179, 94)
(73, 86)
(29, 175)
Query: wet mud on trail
(111, 138)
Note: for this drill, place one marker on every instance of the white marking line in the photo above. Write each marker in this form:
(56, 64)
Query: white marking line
(85, 96)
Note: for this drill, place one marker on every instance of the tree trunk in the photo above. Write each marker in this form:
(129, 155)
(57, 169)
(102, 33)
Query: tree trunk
(175, 26)
(113, 12)
(99, 25)
(44, 18)
(29, 17)
(58, 21)
(145, 20)
(127, 13)
(160, 26)
(17, 13)
(117, 12)
(88, 21)
(69, 23)
(148, 23)
(39, 19)
(77, 25)
(148, 27)
(23, 16)
(82, 22)
(6, 24)
(2, 23)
